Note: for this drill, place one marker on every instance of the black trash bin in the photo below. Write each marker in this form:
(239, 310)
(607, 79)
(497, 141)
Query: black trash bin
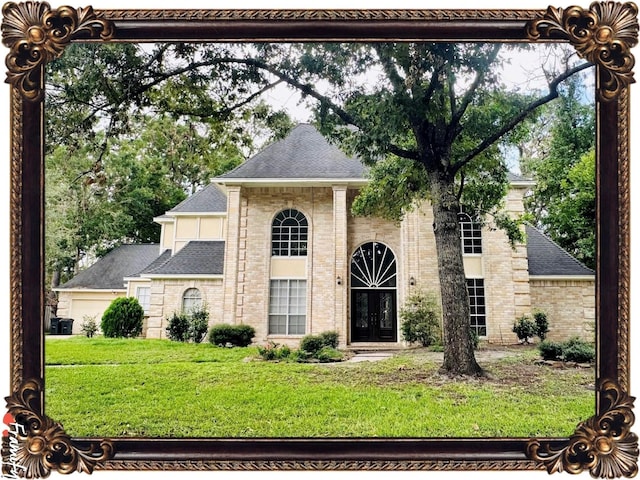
(66, 326)
(54, 328)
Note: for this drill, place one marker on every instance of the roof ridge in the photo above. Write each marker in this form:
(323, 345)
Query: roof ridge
(155, 260)
(264, 149)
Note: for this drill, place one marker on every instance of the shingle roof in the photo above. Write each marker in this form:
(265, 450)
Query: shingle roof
(109, 271)
(209, 199)
(513, 177)
(196, 258)
(548, 258)
(303, 154)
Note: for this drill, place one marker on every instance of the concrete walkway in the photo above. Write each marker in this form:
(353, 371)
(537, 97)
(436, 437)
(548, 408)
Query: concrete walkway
(370, 356)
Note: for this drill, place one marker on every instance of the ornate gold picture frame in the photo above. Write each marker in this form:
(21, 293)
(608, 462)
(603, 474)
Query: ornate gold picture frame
(603, 33)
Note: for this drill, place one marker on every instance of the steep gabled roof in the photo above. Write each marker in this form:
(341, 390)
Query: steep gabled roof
(109, 271)
(546, 258)
(209, 199)
(196, 258)
(303, 154)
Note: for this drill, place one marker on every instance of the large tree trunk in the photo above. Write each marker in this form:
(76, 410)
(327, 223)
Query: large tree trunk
(459, 358)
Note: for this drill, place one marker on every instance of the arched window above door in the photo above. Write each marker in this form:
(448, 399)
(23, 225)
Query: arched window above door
(373, 265)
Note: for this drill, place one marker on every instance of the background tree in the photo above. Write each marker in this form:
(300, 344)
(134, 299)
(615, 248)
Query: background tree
(560, 156)
(137, 129)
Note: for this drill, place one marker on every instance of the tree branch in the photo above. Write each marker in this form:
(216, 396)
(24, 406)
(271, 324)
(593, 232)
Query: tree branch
(468, 96)
(306, 89)
(491, 139)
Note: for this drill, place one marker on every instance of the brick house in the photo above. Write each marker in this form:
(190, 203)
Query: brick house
(273, 244)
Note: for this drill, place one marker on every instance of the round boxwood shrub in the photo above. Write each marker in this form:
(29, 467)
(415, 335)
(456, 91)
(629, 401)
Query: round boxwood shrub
(576, 350)
(122, 318)
(311, 344)
(329, 339)
(236, 335)
(550, 350)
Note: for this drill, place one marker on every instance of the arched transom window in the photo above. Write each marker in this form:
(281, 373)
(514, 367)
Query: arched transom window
(289, 234)
(470, 233)
(373, 265)
(191, 299)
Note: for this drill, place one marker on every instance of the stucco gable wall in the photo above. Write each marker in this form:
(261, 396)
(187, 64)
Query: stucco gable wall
(185, 228)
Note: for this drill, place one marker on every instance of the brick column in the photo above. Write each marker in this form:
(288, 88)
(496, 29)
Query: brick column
(341, 261)
(232, 253)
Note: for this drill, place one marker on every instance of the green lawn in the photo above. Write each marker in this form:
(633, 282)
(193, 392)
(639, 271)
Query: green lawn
(157, 388)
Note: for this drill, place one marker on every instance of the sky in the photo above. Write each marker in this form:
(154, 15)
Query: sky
(365, 4)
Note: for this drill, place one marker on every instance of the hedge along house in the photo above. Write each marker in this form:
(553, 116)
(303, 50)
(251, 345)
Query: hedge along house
(273, 244)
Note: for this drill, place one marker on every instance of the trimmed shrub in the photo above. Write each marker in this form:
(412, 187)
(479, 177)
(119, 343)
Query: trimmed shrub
(524, 328)
(178, 327)
(421, 319)
(236, 335)
(550, 350)
(329, 339)
(122, 318)
(576, 350)
(89, 326)
(573, 350)
(542, 324)
(311, 344)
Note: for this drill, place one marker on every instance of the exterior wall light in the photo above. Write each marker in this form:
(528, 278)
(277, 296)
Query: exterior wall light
(339, 280)
(412, 281)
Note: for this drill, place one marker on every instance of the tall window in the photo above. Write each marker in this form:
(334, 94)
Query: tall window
(143, 294)
(477, 306)
(470, 233)
(191, 299)
(288, 307)
(289, 233)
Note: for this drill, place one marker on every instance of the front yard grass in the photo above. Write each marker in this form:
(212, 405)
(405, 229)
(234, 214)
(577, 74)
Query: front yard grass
(157, 388)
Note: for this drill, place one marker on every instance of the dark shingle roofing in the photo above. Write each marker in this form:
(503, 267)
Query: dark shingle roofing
(303, 154)
(209, 199)
(195, 258)
(109, 271)
(547, 258)
(514, 177)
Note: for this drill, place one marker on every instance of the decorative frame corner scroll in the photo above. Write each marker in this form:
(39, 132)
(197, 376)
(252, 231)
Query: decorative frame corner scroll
(603, 444)
(35, 35)
(603, 35)
(39, 445)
